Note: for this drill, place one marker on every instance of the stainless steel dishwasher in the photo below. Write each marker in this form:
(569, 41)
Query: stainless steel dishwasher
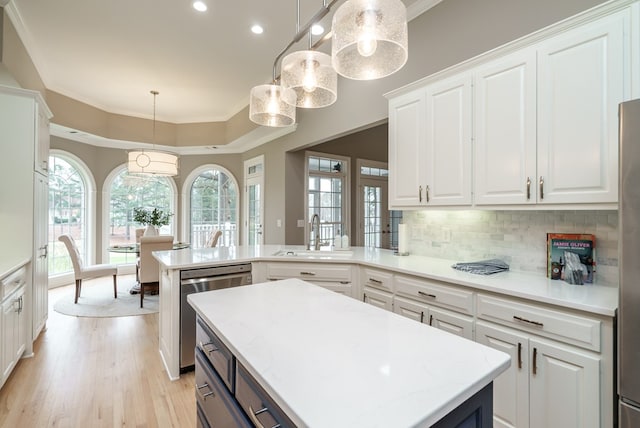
(196, 281)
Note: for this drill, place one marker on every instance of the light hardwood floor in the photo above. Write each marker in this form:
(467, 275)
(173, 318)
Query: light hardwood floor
(96, 372)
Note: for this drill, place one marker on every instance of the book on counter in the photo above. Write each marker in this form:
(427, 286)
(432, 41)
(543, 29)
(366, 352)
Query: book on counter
(571, 257)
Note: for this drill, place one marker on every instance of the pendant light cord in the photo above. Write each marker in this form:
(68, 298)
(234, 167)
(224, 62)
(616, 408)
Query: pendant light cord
(153, 135)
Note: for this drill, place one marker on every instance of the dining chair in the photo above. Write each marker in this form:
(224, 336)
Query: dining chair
(149, 268)
(214, 237)
(80, 271)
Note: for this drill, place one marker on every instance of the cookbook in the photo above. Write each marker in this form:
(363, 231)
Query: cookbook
(571, 257)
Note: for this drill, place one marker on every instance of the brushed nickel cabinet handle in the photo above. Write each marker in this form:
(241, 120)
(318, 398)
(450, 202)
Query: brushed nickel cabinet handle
(536, 323)
(421, 316)
(519, 355)
(203, 346)
(375, 281)
(422, 293)
(208, 394)
(420, 193)
(528, 188)
(253, 415)
(534, 369)
(541, 187)
(427, 193)
(431, 320)
(307, 273)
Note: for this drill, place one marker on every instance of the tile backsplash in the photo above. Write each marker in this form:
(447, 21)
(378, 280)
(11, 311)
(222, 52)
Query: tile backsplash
(517, 237)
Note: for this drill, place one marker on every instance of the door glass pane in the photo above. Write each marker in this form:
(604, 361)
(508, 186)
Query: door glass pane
(372, 213)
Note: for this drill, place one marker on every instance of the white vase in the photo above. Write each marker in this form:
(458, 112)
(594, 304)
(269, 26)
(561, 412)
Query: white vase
(150, 231)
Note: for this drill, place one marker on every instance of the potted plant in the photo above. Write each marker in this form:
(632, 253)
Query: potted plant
(152, 218)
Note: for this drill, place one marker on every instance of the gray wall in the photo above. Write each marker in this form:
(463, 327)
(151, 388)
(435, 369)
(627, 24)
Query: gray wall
(449, 33)
(101, 161)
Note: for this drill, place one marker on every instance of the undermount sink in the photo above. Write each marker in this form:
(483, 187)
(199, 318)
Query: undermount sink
(314, 253)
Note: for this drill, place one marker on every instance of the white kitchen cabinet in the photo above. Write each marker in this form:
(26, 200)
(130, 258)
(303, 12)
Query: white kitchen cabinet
(442, 319)
(548, 383)
(14, 330)
(407, 133)
(583, 75)
(40, 265)
(447, 161)
(505, 130)
(332, 276)
(381, 299)
(430, 145)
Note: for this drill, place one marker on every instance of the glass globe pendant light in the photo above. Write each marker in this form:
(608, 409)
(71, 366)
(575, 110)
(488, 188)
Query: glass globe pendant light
(312, 77)
(272, 105)
(369, 38)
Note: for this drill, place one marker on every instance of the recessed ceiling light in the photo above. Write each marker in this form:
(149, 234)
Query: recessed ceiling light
(200, 6)
(256, 29)
(317, 29)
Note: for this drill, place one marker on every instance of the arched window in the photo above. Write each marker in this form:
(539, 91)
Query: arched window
(71, 190)
(213, 205)
(128, 191)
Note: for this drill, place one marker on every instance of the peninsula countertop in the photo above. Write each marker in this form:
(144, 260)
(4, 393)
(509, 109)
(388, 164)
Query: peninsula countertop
(593, 298)
(328, 360)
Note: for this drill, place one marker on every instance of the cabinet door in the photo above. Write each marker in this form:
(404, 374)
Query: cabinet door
(581, 80)
(564, 386)
(511, 388)
(448, 142)
(460, 325)
(505, 130)
(42, 141)
(406, 149)
(10, 334)
(40, 276)
(410, 309)
(378, 298)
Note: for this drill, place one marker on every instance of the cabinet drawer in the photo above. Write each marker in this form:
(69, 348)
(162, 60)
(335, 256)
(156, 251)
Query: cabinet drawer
(310, 271)
(577, 330)
(214, 350)
(260, 408)
(435, 293)
(215, 404)
(377, 278)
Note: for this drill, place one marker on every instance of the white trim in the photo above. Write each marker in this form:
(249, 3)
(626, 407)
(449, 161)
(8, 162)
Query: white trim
(186, 199)
(346, 190)
(106, 204)
(250, 179)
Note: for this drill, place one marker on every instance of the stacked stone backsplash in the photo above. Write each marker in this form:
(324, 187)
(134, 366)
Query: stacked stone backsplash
(517, 237)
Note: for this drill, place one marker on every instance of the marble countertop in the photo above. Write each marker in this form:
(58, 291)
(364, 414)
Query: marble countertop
(593, 298)
(329, 360)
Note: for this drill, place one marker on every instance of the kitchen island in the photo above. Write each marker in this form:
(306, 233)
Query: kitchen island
(328, 360)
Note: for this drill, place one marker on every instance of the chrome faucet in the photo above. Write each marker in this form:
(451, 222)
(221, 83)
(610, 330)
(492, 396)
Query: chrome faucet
(315, 227)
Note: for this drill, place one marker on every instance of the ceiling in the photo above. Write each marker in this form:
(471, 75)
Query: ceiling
(111, 54)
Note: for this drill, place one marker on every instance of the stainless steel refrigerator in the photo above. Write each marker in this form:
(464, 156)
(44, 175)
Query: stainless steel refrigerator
(629, 262)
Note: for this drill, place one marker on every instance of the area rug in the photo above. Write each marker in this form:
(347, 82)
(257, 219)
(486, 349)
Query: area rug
(96, 300)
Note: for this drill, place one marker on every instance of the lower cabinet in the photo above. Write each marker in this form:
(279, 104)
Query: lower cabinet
(458, 324)
(14, 328)
(379, 298)
(548, 384)
(332, 276)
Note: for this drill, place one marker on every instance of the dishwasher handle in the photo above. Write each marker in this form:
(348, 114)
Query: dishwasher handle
(192, 281)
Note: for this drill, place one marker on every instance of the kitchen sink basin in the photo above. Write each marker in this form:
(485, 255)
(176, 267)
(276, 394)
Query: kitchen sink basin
(314, 253)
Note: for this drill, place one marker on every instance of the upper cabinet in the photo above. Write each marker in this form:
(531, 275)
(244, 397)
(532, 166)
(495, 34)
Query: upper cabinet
(581, 81)
(535, 125)
(430, 145)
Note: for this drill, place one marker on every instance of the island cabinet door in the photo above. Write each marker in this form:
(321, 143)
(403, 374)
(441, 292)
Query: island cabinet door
(564, 386)
(511, 388)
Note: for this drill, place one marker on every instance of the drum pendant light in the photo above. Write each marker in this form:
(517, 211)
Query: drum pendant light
(152, 161)
(311, 76)
(369, 38)
(272, 105)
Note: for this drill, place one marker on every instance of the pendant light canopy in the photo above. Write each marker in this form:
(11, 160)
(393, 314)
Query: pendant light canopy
(311, 76)
(152, 161)
(369, 38)
(272, 105)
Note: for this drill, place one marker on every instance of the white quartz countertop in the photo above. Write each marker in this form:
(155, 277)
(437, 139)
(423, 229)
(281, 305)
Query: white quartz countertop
(593, 298)
(331, 361)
